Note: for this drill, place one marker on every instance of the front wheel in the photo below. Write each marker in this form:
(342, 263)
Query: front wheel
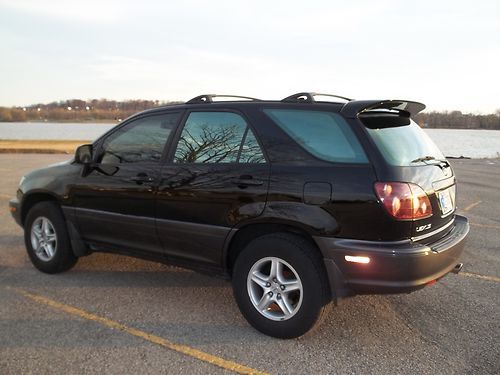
(47, 240)
(280, 285)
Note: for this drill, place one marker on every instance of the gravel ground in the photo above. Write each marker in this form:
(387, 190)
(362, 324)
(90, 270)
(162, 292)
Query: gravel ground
(448, 328)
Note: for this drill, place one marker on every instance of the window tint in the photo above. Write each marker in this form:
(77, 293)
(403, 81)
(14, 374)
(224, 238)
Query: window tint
(141, 140)
(326, 135)
(216, 137)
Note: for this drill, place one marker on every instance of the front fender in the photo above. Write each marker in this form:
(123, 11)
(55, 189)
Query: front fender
(50, 183)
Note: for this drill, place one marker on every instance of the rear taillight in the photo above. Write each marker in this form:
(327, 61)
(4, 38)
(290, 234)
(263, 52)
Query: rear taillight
(404, 201)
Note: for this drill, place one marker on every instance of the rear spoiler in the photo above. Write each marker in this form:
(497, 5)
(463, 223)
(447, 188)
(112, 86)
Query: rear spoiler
(353, 108)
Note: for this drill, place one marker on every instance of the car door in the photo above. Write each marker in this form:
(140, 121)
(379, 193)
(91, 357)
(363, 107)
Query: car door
(115, 199)
(217, 177)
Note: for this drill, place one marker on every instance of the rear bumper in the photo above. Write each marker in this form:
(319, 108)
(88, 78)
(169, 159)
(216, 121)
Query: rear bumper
(394, 267)
(15, 210)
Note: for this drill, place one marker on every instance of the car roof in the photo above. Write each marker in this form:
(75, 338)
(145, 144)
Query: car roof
(347, 107)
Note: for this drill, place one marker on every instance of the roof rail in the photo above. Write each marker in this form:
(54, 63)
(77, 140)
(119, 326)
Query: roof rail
(308, 97)
(208, 98)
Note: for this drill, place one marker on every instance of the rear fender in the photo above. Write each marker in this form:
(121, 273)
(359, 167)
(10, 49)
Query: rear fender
(312, 219)
(306, 220)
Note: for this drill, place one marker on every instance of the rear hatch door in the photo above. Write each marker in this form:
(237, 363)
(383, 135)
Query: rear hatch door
(403, 152)
(439, 183)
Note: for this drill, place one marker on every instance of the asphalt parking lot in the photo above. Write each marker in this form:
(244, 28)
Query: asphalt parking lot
(116, 314)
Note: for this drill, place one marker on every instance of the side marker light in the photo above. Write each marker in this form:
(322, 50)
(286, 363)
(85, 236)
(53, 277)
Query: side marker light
(355, 259)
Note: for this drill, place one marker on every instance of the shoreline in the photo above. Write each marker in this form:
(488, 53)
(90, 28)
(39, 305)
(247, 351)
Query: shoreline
(65, 122)
(68, 147)
(116, 122)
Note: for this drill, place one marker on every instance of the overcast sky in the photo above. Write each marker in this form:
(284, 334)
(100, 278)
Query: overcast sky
(443, 53)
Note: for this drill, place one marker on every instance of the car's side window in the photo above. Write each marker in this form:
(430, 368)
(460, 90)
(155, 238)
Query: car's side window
(141, 140)
(217, 137)
(325, 135)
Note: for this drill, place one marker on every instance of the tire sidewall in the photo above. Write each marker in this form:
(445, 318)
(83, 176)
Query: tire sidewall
(294, 251)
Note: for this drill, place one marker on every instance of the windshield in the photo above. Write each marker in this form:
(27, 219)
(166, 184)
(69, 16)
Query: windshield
(405, 145)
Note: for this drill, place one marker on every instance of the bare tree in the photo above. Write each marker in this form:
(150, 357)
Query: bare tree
(209, 144)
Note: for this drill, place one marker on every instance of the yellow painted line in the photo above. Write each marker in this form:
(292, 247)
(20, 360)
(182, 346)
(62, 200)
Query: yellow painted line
(485, 226)
(483, 277)
(471, 206)
(184, 349)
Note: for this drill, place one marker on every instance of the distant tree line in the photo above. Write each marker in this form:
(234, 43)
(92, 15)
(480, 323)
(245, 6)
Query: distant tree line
(96, 110)
(458, 120)
(76, 110)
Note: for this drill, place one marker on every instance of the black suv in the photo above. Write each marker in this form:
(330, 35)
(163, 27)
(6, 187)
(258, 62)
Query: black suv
(299, 201)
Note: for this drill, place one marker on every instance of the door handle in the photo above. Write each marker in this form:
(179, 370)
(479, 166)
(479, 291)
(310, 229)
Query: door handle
(245, 181)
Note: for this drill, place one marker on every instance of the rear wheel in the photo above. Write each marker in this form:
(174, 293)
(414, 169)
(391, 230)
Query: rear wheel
(46, 239)
(280, 285)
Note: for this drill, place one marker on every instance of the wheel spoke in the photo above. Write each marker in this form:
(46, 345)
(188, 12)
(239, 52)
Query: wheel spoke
(51, 237)
(291, 285)
(45, 226)
(274, 268)
(37, 231)
(265, 301)
(260, 279)
(40, 250)
(285, 306)
(279, 271)
(49, 250)
(44, 251)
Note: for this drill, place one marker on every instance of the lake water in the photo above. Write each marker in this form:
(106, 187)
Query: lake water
(453, 142)
(52, 131)
(472, 143)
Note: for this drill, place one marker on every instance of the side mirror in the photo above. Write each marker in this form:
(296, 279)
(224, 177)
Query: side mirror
(83, 154)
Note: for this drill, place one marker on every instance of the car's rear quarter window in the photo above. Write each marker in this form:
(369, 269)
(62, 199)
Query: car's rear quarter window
(326, 135)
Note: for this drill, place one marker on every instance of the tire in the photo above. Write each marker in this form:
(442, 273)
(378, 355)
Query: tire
(293, 303)
(47, 240)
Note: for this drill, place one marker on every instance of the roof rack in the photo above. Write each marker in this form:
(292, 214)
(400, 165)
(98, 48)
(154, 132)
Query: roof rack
(308, 97)
(208, 98)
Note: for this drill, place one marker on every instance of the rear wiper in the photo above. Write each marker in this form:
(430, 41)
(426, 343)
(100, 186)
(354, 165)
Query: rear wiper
(428, 158)
(423, 158)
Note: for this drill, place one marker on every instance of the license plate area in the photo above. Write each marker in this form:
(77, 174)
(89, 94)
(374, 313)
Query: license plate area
(446, 200)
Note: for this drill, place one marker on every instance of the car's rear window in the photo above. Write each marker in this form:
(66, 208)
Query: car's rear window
(404, 145)
(326, 135)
